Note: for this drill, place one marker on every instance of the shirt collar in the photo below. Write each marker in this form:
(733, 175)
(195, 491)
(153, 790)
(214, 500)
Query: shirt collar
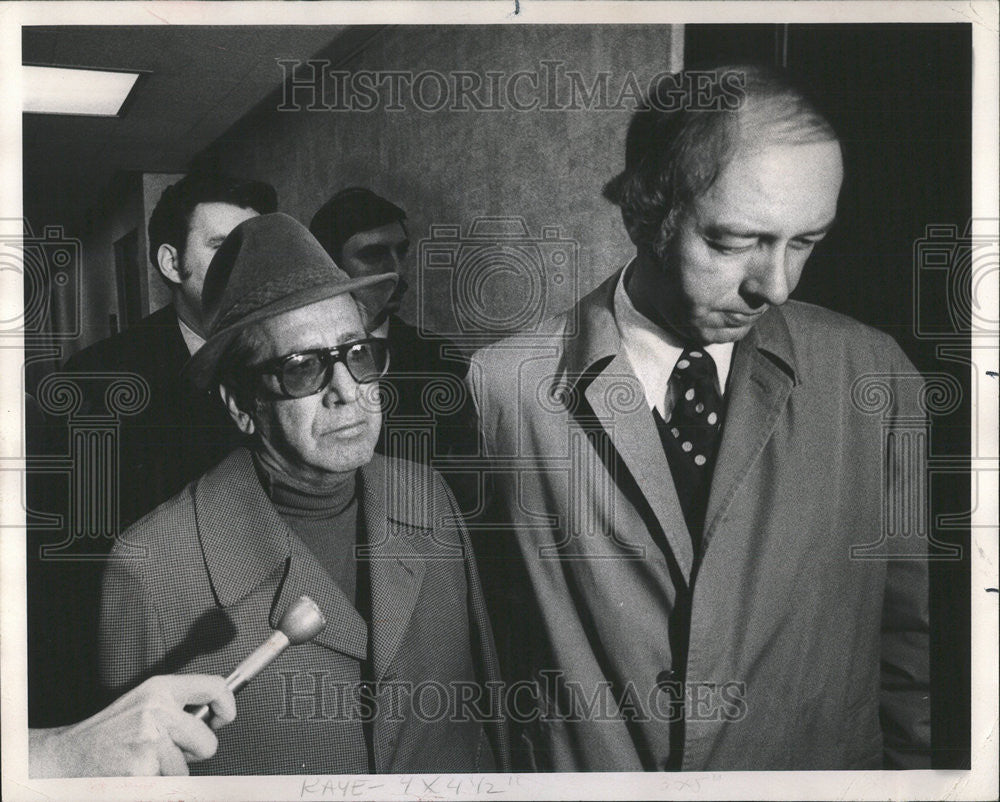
(192, 339)
(653, 352)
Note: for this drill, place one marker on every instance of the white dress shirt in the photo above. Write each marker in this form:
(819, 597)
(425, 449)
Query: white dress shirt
(192, 339)
(653, 352)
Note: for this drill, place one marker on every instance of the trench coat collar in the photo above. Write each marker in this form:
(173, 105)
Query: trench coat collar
(597, 338)
(763, 373)
(246, 544)
(594, 366)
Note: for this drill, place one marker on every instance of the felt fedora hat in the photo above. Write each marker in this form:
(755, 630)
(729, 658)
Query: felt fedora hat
(269, 265)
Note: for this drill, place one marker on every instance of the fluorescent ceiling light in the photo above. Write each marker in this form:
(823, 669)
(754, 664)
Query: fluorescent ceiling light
(65, 90)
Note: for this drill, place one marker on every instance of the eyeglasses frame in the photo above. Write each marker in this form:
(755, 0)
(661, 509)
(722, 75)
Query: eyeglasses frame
(272, 367)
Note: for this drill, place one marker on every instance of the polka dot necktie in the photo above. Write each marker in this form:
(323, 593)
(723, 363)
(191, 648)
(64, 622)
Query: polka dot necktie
(690, 433)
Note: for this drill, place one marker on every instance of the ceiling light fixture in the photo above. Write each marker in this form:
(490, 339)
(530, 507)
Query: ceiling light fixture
(76, 90)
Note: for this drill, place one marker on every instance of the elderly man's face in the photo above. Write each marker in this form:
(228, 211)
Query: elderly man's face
(333, 430)
(742, 246)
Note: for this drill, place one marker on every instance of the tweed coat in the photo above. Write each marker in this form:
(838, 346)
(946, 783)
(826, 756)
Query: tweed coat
(788, 650)
(200, 582)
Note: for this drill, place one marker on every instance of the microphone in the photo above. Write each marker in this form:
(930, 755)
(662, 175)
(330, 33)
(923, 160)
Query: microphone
(302, 622)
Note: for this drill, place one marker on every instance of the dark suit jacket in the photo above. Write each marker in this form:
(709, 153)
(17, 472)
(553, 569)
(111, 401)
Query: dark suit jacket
(799, 633)
(427, 413)
(199, 583)
(181, 432)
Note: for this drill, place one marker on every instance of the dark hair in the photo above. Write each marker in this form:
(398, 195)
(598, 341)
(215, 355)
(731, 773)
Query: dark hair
(349, 212)
(690, 127)
(171, 218)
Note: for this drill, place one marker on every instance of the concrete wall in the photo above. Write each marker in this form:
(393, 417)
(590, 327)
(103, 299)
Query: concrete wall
(450, 166)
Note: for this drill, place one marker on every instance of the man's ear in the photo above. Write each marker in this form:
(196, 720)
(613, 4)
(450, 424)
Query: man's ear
(241, 418)
(169, 262)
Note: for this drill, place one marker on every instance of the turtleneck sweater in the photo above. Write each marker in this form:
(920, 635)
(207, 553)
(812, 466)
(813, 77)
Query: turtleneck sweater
(325, 518)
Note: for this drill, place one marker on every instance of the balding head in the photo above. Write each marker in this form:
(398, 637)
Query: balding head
(691, 127)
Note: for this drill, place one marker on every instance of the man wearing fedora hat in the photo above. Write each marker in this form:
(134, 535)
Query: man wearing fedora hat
(308, 508)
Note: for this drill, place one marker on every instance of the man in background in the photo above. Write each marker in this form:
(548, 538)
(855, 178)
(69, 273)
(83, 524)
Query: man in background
(366, 234)
(182, 431)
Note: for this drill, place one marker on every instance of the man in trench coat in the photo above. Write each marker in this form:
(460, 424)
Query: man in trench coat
(719, 574)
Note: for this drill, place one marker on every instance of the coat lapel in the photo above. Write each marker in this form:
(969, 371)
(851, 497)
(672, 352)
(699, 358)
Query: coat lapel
(246, 544)
(391, 515)
(617, 399)
(762, 379)
(345, 629)
(633, 433)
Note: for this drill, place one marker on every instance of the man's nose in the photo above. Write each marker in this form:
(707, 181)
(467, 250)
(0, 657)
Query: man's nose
(767, 280)
(342, 388)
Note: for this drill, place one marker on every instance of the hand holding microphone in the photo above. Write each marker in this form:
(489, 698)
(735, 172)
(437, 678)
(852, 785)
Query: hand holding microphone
(302, 622)
(144, 733)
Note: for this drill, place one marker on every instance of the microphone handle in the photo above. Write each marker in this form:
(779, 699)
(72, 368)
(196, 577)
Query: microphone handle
(250, 667)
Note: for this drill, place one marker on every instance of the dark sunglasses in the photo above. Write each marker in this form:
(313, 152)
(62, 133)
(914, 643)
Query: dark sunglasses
(307, 372)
